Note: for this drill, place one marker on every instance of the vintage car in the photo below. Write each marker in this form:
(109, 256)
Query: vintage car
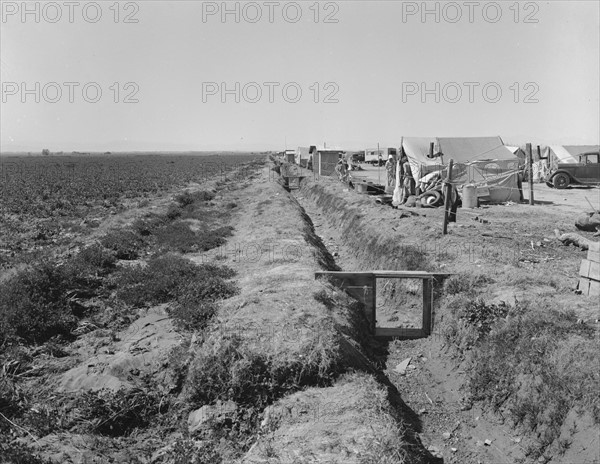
(585, 172)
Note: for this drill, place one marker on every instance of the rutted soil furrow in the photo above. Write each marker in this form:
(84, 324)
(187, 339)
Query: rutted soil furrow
(364, 236)
(336, 410)
(432, 389)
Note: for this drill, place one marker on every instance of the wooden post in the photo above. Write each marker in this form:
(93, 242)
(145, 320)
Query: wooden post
(530, 169)
(427, 306)
(447, 196)
(431, 150)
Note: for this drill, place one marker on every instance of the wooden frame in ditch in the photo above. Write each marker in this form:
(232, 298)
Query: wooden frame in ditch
(363, 287)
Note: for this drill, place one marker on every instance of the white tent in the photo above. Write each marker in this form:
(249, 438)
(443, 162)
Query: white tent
(482, 161)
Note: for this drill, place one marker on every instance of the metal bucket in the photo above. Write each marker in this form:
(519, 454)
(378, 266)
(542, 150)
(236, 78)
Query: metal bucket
(469, 196)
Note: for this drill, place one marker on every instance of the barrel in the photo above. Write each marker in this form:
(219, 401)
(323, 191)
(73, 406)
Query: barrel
(469, 196)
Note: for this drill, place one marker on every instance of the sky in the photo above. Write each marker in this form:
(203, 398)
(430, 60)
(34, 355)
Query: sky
(191, 75)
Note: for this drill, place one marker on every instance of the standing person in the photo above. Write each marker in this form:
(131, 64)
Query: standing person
(390, 169)
(340, 169)
(408, 182)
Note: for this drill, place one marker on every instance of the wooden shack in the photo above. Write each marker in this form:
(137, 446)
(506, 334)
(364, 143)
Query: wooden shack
(289, 156)
(327, 159)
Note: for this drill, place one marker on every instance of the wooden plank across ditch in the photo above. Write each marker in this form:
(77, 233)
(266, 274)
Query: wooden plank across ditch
(293, 175)
(363, 287)
(293, 182)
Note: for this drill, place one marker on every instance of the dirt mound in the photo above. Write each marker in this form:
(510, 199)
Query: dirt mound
(141, 349)
(350, 422)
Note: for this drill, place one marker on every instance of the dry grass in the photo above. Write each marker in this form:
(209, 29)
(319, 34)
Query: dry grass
(508, 308)
(531, 363)
(372, 248)
(285, 332)
(349, 422)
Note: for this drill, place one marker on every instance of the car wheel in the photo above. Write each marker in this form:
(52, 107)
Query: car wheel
(561, 181)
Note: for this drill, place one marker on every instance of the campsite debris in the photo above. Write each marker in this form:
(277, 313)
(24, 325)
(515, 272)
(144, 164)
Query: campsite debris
(401, 367)
(411, 201)
(486, 234)
(488, 442)
(590, 203)
(446, 435)
(408, 213)
(434, 451)
(589, 222)
(575, 239)
(200, 418)
(384, 199)
(454, 450)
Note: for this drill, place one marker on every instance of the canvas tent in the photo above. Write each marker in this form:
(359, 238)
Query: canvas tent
(482, 161)
(518, 152)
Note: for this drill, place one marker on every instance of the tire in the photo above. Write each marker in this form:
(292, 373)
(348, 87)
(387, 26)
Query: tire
(561, 181)
(431, 199)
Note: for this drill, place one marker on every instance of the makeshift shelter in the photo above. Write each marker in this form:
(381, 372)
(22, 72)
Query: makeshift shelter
(302, 156)
(541, 171)
(326, 160)
(480, 161)
(518, 152)
(290, 156)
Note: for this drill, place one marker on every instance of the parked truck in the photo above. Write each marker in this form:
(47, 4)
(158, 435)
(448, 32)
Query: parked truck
(379, 155)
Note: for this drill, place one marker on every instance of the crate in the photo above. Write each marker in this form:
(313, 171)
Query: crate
(589, 272)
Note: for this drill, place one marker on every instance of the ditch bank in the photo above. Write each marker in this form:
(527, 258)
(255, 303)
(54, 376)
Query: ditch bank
(480, 398)
(301, 345)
